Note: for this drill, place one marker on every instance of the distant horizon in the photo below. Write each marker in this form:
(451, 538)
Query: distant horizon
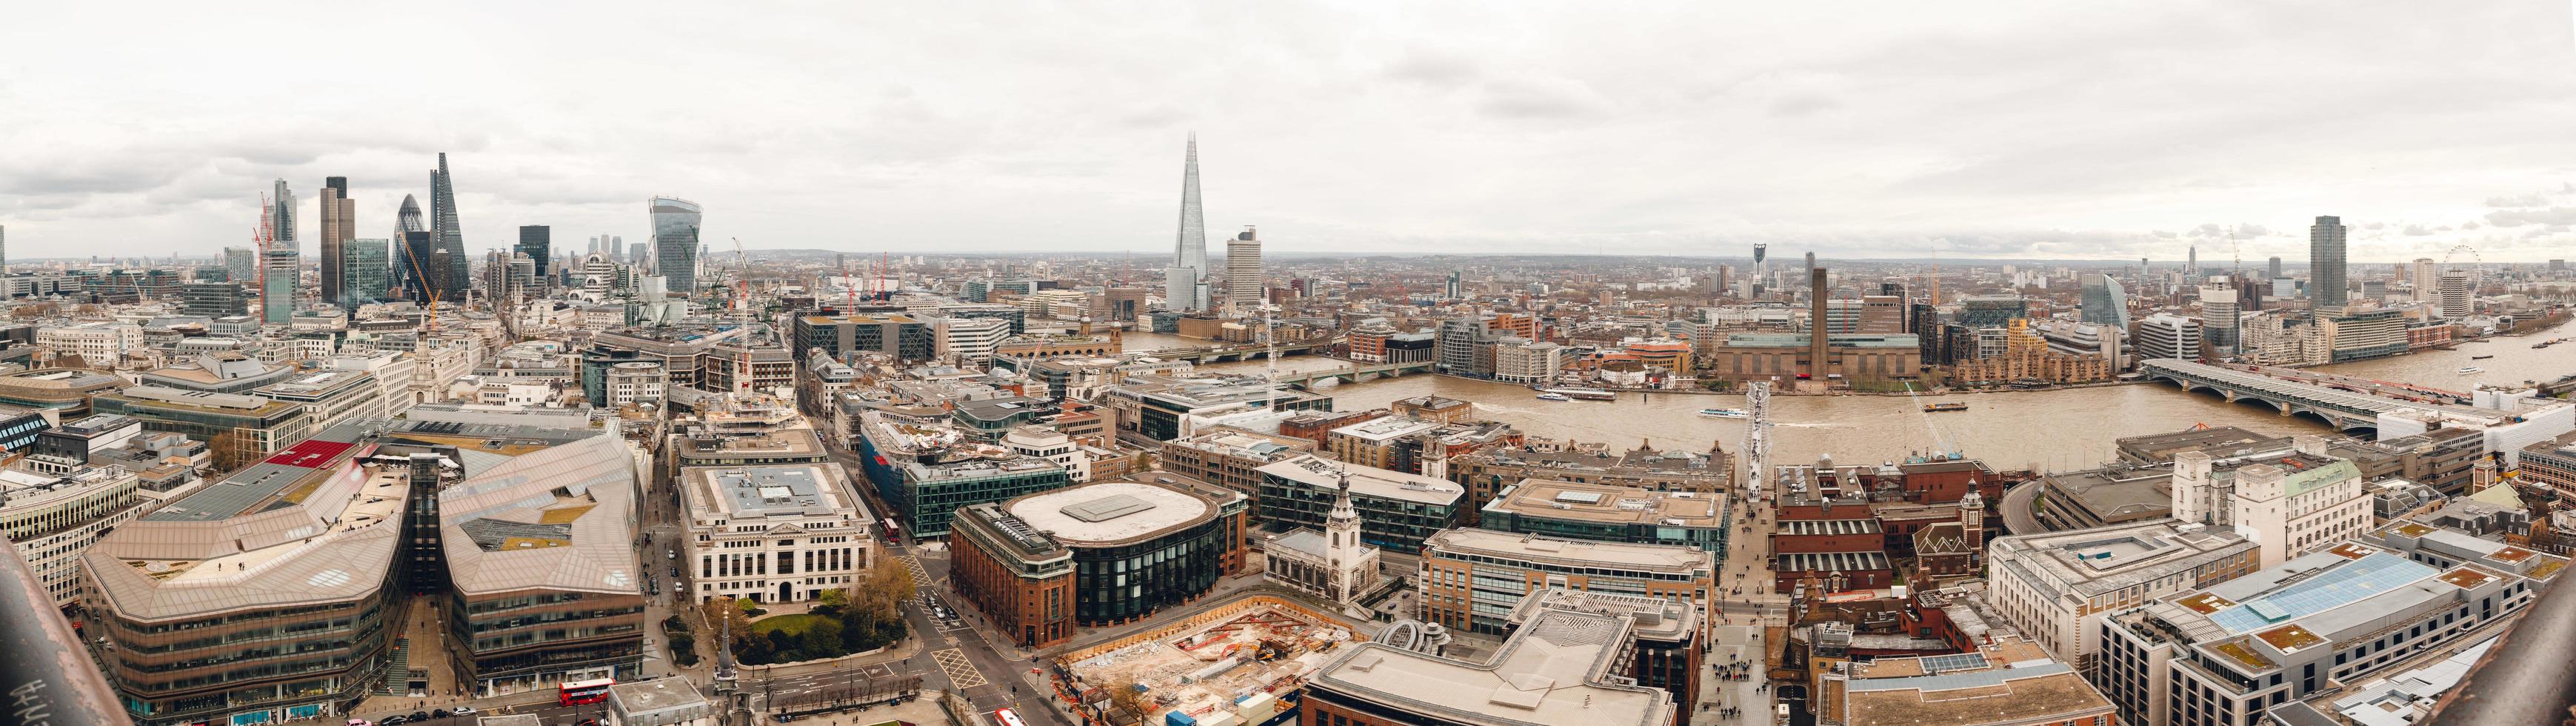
(1215, 253)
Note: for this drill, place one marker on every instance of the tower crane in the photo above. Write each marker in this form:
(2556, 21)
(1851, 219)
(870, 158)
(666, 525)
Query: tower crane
(742, 316)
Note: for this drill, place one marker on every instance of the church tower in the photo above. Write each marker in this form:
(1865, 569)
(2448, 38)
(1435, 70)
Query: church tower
(1342, 541)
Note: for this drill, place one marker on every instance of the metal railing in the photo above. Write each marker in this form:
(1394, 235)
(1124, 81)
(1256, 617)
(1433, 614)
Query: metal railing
(46, 678)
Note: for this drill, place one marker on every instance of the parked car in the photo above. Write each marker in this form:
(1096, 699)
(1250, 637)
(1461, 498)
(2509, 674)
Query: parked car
(464, 711)
(419, 716)
(440, 713)
(394, 721)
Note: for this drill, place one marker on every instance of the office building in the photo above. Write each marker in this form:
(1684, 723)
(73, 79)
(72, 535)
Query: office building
(634, 383)
(2290, 503)
(281, 216)
(784, 533)
(969, 341)
(1562, 665)
(2005, 680)
(1229, 458)
(363, 272)
(216, 372)
(447, 258)
(1468, 575)
(2166, 335)
(1092, 555)
(1991, 311)
(2272, 270)
(2218, 318)
(213, 299)
(281, 269)
(2105, 302)
(519, 529)
(99, 344)
(2224, 654)
(2326, 287)
(537, 242)
(1156, 407)
(675, 243)
(53, 516)
(1244, 288)
(2056, 587)
(2457, 300)
(1608, 513)
(239, 428)
(241, 264)
(1397, 510)
(2426, 278)
(331, 397)
(339, 225)
(67, 391)
(905, 338)
(925, 471)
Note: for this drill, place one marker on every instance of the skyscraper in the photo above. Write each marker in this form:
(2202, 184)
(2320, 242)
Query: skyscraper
(2218, 315)
(281, 212)
(675, 243)
(537, 242)
(639, 254)
(2273, 270)
(339, 225)
(277, 284)
(363, 268)
(2456, 300)
(2105, 303)
(1244, 288)
(1185, 282)
(2325, 263)
(2191, 265)
(241, 264)
(4, 249)
(448, 236)
(2427, 280)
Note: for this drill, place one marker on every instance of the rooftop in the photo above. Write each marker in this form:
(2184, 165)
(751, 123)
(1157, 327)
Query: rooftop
(1366, 481)
(2090, 562)
(783, 491)
(1675, 559)
(1110, 513)
(1554, 671)
(1609, 504)
(1386, 428)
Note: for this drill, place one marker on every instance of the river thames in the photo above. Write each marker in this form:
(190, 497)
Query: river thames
(2046, 430)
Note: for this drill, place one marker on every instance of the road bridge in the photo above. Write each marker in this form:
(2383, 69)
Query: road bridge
(1240, 351)
(2343, 408)
(1354, 374)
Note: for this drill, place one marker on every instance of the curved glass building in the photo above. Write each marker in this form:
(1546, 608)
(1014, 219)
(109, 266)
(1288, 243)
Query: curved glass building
(675, 242)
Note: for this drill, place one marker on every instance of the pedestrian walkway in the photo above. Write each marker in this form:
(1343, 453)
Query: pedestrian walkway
(1738, 649)
(397, 671)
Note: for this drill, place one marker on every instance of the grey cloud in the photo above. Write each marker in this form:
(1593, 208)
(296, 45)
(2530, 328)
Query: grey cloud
(1434, 68)
(1803, 104)
(1538, 98)
(2519, 217)
(2417, 230)
(2521, 200)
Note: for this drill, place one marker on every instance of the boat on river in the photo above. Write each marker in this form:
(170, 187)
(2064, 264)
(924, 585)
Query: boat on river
(1725, 413)
(1940, 407)
(1584, 394)
(2465, 370)
(1554, 397)
(2480, 357)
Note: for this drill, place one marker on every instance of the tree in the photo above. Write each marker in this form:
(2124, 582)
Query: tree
(718, 612)
(232, 450)
(1124, 697)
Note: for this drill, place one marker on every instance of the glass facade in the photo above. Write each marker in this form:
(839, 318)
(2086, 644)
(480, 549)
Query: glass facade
(1120, 583)
(675, 243)
(362, 271)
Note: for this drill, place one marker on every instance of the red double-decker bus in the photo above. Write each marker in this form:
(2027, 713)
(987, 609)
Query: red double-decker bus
(574, 693)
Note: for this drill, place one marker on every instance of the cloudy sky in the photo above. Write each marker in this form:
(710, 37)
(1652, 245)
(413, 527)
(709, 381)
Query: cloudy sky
(1902, 129)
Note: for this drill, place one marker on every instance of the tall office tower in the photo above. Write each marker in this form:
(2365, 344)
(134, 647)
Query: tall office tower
(2105, 303)
(2191, 265)
(363, 268)
(639, 253)
(408, 219)
(450, 236)
(281, 211)
(1185, 281)
(2325, 263)
(4, 249)
(1761, 273)
(241, 264)
(418, 251)
(339, 225)
(1455, 289)
(537, 242)
(675, 244)
(277, 287)
(2218, 315)
(1811, 266)
(2456, 302)
(2427, 280)
(2273, 271)
(1244, 288)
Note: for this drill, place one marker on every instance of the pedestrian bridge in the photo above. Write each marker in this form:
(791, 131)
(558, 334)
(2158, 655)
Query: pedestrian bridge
(1354, 374)
(1240, 352)
(2344, 409)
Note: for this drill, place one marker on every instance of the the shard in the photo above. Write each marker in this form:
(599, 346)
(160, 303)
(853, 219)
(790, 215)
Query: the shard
(1185, 282)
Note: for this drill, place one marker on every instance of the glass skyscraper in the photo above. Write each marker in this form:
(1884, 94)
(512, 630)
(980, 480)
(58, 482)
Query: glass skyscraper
(675, 243)
(2325, 262)
(277, 290)
(537, 242)
(362, 279)
(2106, 303)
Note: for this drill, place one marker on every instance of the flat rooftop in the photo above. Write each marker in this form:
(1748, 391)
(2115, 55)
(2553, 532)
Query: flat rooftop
(1610, 504)
(1110, 513)
(1552, 671)
(1676, 559)
(2090, 562)
(1366, 481)
(791, 490)
(1386, 428)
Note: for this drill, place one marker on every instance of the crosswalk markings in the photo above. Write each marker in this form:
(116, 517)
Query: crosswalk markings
(960, 673)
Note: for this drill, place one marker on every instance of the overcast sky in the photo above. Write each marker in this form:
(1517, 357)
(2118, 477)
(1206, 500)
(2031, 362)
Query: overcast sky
(1903, 129)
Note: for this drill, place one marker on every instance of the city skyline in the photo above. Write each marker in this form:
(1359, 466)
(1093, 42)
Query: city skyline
(1891, 143)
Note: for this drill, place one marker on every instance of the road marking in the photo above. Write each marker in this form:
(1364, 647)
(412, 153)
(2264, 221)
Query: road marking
(960, 673)
(919, 576)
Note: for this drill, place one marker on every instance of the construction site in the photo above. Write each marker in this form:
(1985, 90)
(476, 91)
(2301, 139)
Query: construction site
(1227, 667)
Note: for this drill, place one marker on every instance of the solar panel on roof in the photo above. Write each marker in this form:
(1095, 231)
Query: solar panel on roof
(1955, 662)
